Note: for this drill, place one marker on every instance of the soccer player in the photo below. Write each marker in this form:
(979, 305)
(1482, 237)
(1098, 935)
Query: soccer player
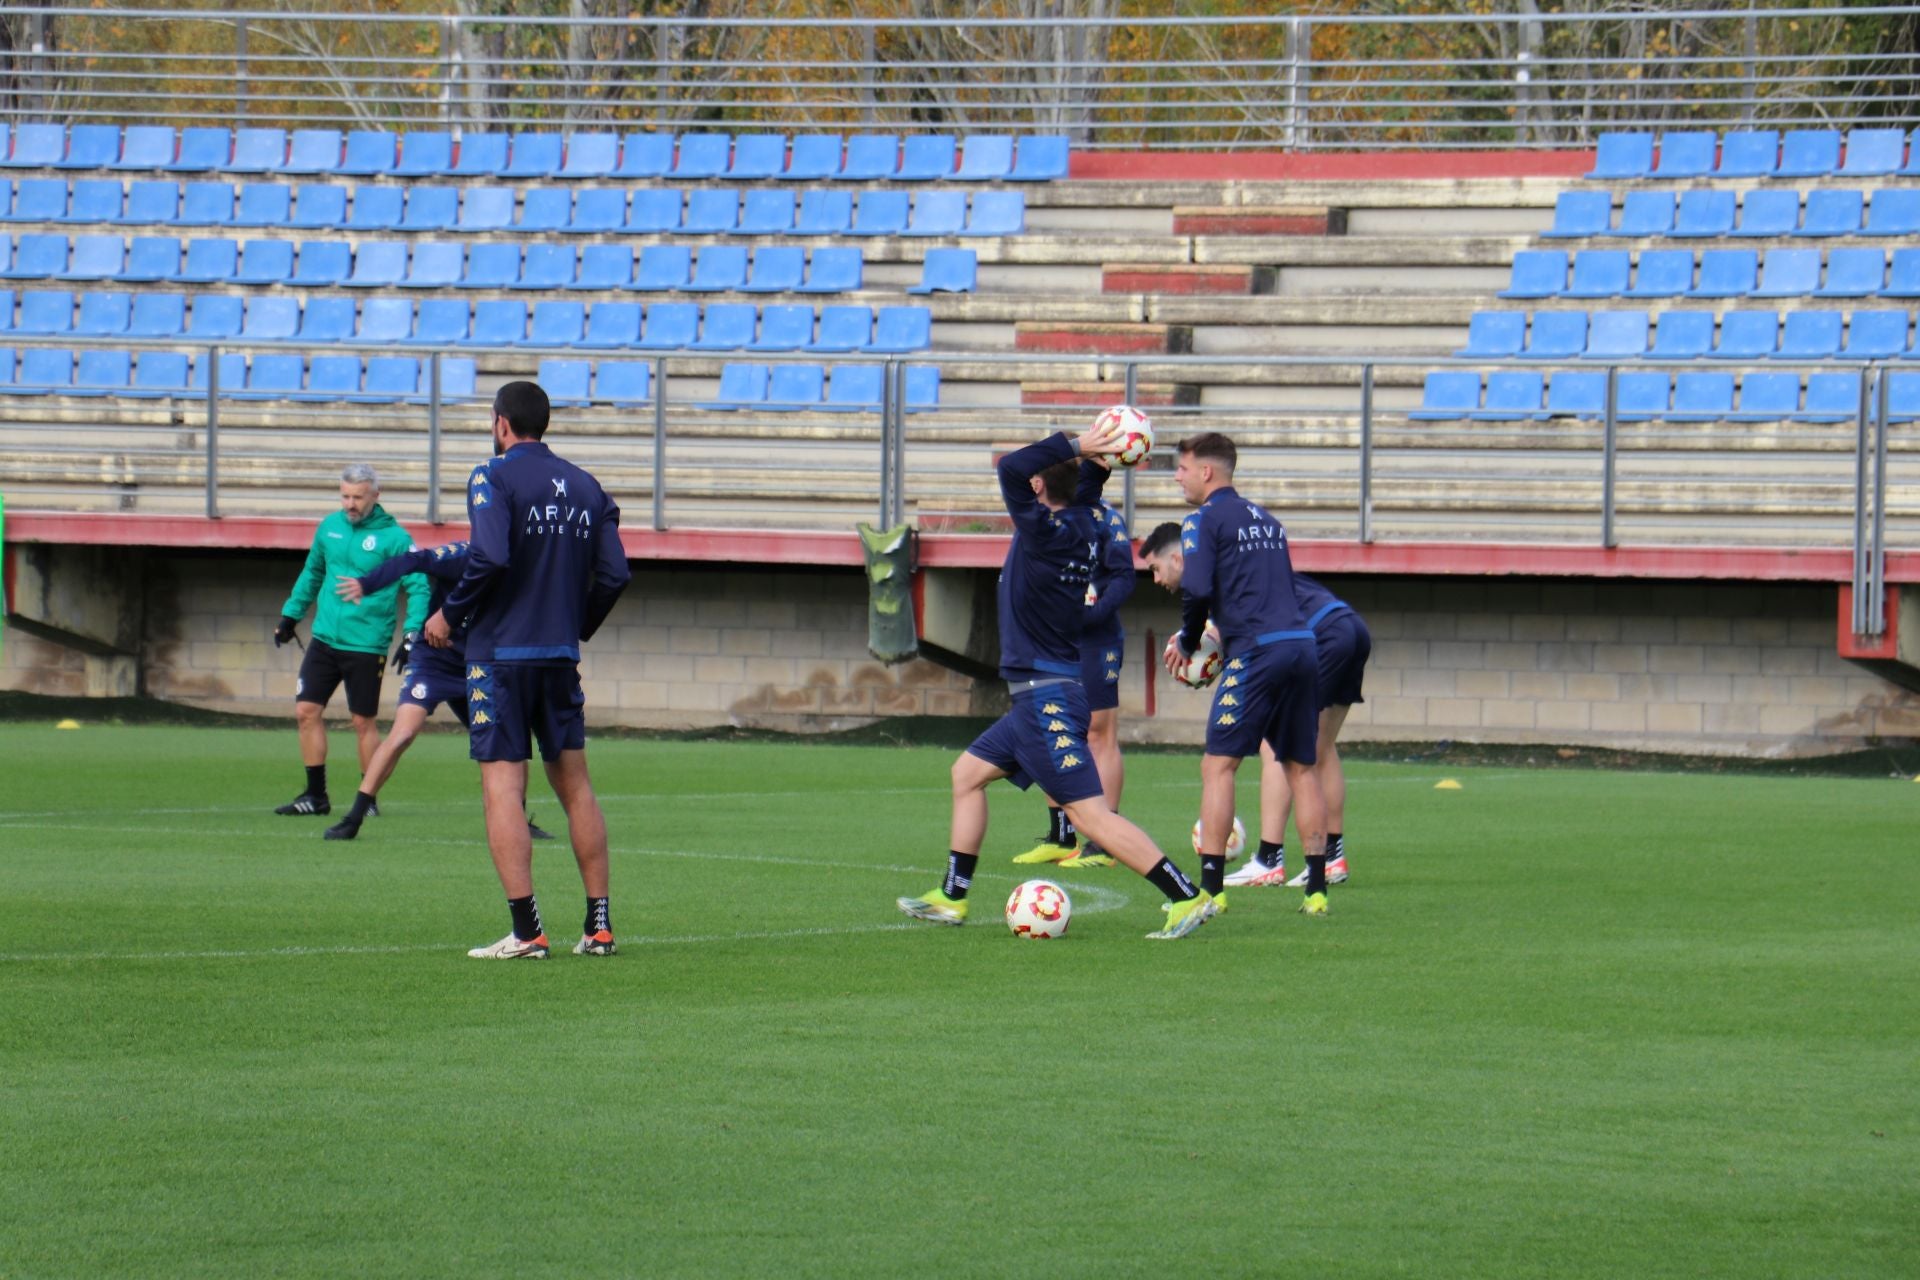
(432, 676)
(1059, 541)
(350, 638)
(1231, 563)
(544, 568)
(1102, 652)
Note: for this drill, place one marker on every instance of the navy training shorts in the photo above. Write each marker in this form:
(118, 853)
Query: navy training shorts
(511, 705)
(1268, 694)
(1043, 739)
(1345, 645)
(426, 686)
(1100, 663)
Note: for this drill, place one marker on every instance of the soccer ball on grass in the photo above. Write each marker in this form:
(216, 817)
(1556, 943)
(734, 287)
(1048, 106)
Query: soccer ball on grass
(1039, 909)
(1136, 432)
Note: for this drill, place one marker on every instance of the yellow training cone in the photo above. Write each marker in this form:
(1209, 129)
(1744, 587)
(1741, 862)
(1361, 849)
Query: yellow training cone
(1446, 784)
(68, 724)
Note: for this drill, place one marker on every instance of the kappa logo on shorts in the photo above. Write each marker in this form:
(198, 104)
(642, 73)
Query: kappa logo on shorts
(1228, 700)
(1112, 674)
(478, 695)
(476, 673)
(481, 717)
(1230, 682)
(1056, 726)
(1051, 709)
(1226, 717)
(1112, 656)
(1071, 761)
(1062, 742)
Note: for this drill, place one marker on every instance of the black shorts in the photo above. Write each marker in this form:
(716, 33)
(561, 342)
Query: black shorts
(326, 668)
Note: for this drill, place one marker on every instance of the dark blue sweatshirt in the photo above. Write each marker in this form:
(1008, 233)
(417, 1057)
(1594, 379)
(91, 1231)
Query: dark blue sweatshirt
(1316, 602)
(444, 565)
(544, 563)
(1114, 581)
(1053, 556)
(1239, 573)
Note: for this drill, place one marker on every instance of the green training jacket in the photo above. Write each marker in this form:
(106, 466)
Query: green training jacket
(356, 549)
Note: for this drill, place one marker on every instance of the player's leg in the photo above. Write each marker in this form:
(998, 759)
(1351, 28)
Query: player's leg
(407, 722)
(1293, 730)
(979, 766)
(587, 828)
(501, 742)
(1188, 906)
(1103, 739)
(1333, 789)
(1268, 865)
(1059, 843)
(319, 676)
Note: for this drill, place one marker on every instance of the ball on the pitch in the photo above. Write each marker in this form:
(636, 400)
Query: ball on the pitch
(1136, 433)
(1203, 667)
(1236, 839)
(1039, 909)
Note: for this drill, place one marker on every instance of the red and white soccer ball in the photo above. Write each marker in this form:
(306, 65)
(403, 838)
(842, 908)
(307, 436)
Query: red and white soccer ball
(1203, 668)
(1136, 433)
(1039, 909)
(1236, 839)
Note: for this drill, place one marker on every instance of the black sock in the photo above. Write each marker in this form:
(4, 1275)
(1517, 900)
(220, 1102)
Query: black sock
(1060, 830)
(1171, 881)
(1271, 854)
(1316, 873)
(316, 779)
(959, 874)
(526, 918)
(1333, 845)
(361, 803)
(596, 916)
(1213, 872)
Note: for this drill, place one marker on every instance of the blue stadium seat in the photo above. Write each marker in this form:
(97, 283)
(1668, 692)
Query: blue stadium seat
(45, 312)
(1747, 335)
(1769, 213)
(566, 381)
(377, 208)
(1903, 275)
(922, 389)
(322, 263)
(855, 386)
(1876, 335)
(1600, 273)
(1512, 394)
(1580, 394)
(957, 271)
(91, 146)
(1701, 397)
(95, 200)
(712, 211)
(1832, 397)
(767, 211)
(424, 155)
(145, 147)
(1869, 152)
(1580, 214)
(776, 268)
(604, 266)
(153, 258)
(702, 155)
(436, 264)
(758, 155)
(938, 213)
(202, 150)
(787, 328)
(1832, 213)
(210, 262)
(486, 209)
(319, 208)
(1895, 211)
(1903, 396)
(533, 155)
(157, 315)
(796, 387)
(442, 322)
(151, 203)
(726, 326)
(1042, 157)
(45, 370)
(997, 213)
(824, 213)
(871, 157)
(389, 379)
(546, 209)
(261, 262)
(104, 315)
(740, 385)
(371, 153)
(263, 204)
(1854, 273)
(1495, 335)
(591, 155)
(880, 213)
(1662, 273)
(457, 378)
(39, 257)
(902, 329)
(645, 155)
(498, 322)
(258, 151)
(1749, 154)
(1789, 273)
(663, 266)
(926, 157)
(271, 319)
(1639, 397)
(431, 209)
(547, 266)
(313, 151)
(1448, 394)
(815, 156)
(1616, 335)
(331, 378)
(39, 200)
(670, 326)
(1810, 335)
(1809, 153)
(656, 210)
(158, 375)
(215, 316)
(1537, 273)
(232, 370)
(557, 324)
(1682, 335)
(986, 158)
(612, 324)
(37, 146)
(387, 320)
(1556, 335)
(845, 328)
(1623, 155)
(720, 266)
(274, 376)
(1645, 213)
(377, 264)
(207, 204)
(598, 211)
(481, 155)
(624, 382)
(1704, 213)
(1768, 397)
(834, 269)
(1726, 273)
(1686, 155)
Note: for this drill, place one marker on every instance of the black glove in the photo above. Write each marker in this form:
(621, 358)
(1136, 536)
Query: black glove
(403, 652)
(284, 632)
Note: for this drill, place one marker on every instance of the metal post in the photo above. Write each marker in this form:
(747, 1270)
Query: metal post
(433, 439)
(1366, 453)
(449, 68)
(886, 444)
(213, 433)
(659, 443)
(868, 57)
(242, 91)
(1127, 499)
(1609, 444)
(1303, 86)
(1860, 438)
(1877, 556)
(1749, 84)
(897, 486)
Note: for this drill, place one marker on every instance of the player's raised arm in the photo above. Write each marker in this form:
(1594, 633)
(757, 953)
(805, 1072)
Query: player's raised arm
(489, 547)
(1115, 580)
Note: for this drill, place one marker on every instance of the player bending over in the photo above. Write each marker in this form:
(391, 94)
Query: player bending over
(1058, 543)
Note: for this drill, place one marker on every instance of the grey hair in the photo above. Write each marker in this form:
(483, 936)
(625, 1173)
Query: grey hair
(360, 473)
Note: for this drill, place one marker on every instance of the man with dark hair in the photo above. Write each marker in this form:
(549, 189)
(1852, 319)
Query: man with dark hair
(1234, 567)
(1058, 543)
(544, 568)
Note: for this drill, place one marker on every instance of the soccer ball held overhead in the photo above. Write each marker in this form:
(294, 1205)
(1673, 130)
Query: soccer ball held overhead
(1135, 429)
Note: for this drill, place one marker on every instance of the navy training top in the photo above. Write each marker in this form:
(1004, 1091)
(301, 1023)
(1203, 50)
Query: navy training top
(1316, 601)
(1114, 582)
(1238, 572)
(444, 565)
(1051, 560)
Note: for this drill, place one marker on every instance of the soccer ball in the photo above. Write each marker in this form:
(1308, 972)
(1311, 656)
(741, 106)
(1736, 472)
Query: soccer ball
(1236, 839)
(1136, 430)
(1204, 666)
(1039, 909)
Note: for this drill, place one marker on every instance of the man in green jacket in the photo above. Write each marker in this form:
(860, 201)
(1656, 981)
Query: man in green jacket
(350, 638)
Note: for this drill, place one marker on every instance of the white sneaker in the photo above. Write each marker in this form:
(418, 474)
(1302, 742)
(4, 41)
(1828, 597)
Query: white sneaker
(1336, 874)
(1255, 872)
(512, 948)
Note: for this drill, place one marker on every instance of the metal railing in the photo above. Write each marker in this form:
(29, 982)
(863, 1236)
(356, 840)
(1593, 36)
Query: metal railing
(1295, 80)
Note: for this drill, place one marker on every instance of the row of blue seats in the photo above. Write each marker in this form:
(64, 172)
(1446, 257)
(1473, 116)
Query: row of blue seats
(1689, 335)
(1646, 214)
(1756, 153)
(667, 326)
(587, 211)
(1722, 273)
(1516, 395)
(860, 157)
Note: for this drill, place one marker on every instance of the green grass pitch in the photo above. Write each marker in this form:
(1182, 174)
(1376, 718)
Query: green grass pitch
(1560, 1024)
